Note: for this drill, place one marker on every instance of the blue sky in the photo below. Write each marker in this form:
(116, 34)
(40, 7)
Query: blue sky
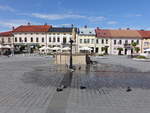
(111, 14)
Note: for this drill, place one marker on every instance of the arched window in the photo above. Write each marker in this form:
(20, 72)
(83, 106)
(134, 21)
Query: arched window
(25, 39)
(20, 39)
(31, 39)
(43, 39)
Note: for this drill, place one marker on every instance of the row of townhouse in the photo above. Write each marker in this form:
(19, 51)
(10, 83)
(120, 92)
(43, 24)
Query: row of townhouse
(108, 41)
(99, 40)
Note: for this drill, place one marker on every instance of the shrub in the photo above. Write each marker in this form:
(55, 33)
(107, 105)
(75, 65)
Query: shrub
(141, 57)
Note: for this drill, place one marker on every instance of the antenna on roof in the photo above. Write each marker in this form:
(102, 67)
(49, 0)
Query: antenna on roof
(72, 25)
(13, 27)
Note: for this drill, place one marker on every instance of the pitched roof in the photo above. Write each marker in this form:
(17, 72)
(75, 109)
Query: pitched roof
(87, 31)
(61, 29)
(8, 33)
(125, 34)
(32, 28)
(144, 34)
(103, 33)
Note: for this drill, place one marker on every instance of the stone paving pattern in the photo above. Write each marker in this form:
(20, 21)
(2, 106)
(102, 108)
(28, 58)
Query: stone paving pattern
(28, 85)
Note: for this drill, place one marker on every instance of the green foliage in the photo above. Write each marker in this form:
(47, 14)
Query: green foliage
(141, 57)
(120, 49)
(137, 49)
(134, 44)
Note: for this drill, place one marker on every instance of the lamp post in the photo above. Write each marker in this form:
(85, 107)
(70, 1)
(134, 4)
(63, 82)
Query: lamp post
(71, 66)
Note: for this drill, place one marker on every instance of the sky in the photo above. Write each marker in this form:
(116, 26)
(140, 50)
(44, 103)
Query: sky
(105, 14)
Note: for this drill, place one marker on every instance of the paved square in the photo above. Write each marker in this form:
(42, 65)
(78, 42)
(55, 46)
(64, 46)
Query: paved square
(28, 85)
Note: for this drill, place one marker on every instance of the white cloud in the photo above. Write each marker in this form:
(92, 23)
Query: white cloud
(112, 22)
(96, 19)
(57, 16)
(10, 23)
(67, 16)
(6, 8)
(134, 15)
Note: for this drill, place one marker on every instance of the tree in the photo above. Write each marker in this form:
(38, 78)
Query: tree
(137, 49)
(105, 49)
(134, 44)
(119, 50)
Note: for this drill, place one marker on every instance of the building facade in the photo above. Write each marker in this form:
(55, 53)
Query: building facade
(86, 38)
(100, 41)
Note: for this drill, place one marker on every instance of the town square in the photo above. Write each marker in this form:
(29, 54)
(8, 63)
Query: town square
(67, 56)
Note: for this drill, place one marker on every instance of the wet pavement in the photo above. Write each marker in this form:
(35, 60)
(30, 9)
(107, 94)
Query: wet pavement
(28, 85)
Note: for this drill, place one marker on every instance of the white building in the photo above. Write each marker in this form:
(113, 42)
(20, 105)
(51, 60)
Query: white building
(86, 38)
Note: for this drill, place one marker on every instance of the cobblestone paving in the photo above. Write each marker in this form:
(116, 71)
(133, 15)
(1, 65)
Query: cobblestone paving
(28, 85)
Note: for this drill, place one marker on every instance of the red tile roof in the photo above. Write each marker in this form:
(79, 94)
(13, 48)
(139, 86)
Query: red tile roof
(144, 34)
(103, 33)
(125, 34)
(32, 28)
(8, 33)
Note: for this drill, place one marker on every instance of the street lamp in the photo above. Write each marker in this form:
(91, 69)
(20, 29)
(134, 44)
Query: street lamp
(71, 66)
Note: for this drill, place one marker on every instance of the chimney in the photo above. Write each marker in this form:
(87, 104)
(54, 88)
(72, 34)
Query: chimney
(13, 28)
(29, 23)
(98, 28)
(85, 26)
(128, 28)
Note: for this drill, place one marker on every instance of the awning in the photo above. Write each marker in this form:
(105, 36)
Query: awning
(85, 48)
(66, 48)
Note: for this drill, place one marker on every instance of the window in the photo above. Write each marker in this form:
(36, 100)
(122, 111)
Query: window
(49, 39)
(81, 41)
(58, 39)
(31, 33)
(106, 41)
(37, 33)
(15, 39)
(132, 41)
(114, 42)
(146, 43)
(126, 41)
(53, 33)
(20, 40)
(92, 41)
(85, 41)
(25, 33)
(88, 40)
(3, 40)
(43, 39)
(97, 41)
(25, 39)
(102, 41)
(137, 41)
(54, 40)
(120, 42)
(57, 33)
(9, 40)
(37, 39)
(31, 39)
(64, 40)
